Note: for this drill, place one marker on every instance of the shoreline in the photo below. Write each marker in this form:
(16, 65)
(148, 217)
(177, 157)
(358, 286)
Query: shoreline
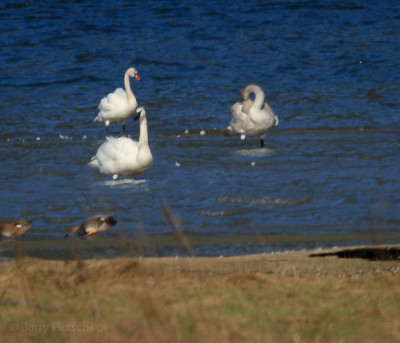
(187, 245)
(379, 253)
(274, 297)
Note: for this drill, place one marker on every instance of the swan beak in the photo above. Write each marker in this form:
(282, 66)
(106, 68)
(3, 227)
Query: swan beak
(137, 77)
(93, 232)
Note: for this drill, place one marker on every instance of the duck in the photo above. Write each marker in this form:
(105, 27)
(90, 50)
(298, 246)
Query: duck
(119, 105)
(15, 227)
(92, 225)
(124, 156)
(251, 118)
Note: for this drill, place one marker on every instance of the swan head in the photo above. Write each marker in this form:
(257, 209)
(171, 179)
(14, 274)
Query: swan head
(140, 112)
(245, 94)
(132, 72)
(246, 91)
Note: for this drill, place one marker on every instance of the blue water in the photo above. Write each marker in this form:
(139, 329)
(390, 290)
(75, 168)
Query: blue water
(330, 71)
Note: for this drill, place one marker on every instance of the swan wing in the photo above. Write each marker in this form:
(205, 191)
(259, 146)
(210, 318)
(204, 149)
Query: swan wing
(94, 162)
(239, 118)
(115, 149)
(116, 155)
(118, 96)
(267, 109)
(114, 101)
(115, 107)
(236, 109)
(271, 119)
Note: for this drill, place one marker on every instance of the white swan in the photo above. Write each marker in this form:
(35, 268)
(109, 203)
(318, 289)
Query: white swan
(251, 118)
(124, 156)
(119, 105)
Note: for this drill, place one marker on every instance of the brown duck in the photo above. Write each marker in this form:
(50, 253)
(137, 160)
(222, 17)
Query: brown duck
(92, 225)
(13, 228)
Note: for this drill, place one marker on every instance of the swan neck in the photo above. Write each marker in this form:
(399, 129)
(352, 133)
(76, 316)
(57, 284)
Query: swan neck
(259, 96)
(129, 93)
(143, 138)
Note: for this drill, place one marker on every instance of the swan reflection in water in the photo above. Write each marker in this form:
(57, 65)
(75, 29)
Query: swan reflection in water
(260, 152)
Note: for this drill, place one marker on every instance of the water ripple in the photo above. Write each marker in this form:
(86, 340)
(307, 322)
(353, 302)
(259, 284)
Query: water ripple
(222, 213)
(265, 201)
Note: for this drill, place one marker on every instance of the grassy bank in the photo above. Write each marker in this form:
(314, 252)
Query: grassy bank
(283, 297)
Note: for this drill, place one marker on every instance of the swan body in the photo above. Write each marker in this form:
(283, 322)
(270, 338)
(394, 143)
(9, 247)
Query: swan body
(92, 225)
(251, 118)
(13, 228)
(120, 105)
(124, 156)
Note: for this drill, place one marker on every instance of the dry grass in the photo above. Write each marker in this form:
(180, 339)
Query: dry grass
(285, 297)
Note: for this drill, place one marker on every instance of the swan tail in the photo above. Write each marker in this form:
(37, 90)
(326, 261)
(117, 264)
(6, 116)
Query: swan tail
(94, 162)
(99, 118)
(276, 121)
(228, 131)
